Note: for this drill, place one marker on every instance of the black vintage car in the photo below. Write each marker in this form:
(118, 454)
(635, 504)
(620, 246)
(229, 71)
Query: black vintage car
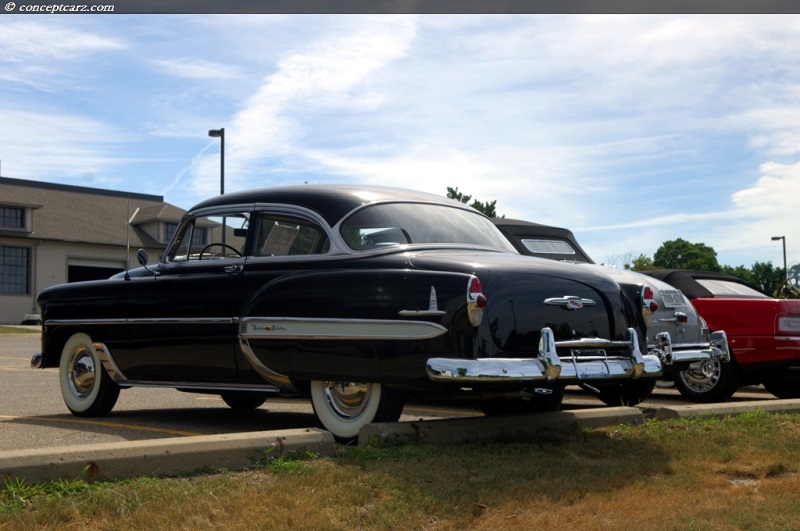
(357, 297)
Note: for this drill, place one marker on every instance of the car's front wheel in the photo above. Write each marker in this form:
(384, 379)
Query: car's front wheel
(628, 393)
(708, 381)
(343, 408)
(86, 387)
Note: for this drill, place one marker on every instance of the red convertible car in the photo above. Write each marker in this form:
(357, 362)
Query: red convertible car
(763, 336)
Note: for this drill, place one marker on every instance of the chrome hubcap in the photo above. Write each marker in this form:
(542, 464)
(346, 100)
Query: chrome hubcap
(703, 376)
(347, 399)
(82, 372)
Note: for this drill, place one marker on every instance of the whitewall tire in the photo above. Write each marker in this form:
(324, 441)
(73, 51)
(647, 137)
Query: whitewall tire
(86, 387)
(343, 408)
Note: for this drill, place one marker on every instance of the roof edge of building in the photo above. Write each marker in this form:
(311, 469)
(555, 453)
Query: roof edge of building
(79, 189)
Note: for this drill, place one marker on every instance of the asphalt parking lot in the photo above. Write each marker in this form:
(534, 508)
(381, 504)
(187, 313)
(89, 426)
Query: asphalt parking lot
(33, 415)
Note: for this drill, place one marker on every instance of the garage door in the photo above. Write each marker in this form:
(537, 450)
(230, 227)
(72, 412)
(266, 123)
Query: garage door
(80, 270)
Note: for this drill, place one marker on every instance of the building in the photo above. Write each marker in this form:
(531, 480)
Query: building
(54, 233)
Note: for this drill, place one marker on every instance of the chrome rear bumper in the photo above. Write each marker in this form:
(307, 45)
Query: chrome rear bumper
(671, 354)
(548, 366)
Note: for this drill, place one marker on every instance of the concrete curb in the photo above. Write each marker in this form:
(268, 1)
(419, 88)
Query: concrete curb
(186, 455)
(487, 428)
(724, 409)
(162, 457)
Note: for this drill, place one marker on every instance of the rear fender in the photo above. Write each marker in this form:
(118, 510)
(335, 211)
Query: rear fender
(327, 325)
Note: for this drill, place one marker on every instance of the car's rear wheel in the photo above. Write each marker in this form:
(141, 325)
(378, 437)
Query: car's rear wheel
(708, 381)
(628, 393)
(86, 387)
(543, 399)
(343, 408)
(784, 385)
(243, 399)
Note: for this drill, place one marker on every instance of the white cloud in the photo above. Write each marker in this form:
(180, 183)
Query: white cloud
(45, 145)
(23, 41)
(37, 54)
(196, 69)
(321, 75)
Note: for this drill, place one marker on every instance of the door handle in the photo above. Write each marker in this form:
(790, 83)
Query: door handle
(233, 269)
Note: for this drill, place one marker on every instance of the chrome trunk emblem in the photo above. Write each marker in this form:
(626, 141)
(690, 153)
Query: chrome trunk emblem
(570, 302)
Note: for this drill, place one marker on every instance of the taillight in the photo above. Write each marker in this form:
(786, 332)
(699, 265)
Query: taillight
(476, 301)
(789, 324)
(476, 292)
(647, 299)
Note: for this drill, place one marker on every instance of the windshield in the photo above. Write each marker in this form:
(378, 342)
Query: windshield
(390, 224)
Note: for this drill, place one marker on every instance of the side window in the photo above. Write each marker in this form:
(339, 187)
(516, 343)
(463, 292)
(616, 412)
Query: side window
(287, 236)
(210, 238)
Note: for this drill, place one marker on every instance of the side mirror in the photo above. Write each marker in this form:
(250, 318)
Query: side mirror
(141, 257)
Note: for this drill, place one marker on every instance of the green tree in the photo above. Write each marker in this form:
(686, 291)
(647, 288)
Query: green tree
(741, 271)
(767, 277)
(681, 254)
(640, 263)
(488, 209)
(794, 271)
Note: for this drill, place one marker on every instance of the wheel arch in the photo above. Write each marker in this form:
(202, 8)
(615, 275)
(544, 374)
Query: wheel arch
(54, 341)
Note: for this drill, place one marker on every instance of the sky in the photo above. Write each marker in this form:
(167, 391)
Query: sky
(630, 130)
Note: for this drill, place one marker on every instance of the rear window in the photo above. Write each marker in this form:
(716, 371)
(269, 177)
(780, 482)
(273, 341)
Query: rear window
(725, 288)
(548, 246)
(391, 224)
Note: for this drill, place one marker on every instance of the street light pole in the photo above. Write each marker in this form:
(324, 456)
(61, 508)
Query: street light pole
(220, 133)
(785, 270)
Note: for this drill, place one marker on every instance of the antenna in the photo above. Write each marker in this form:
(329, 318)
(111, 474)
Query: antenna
(128, 240)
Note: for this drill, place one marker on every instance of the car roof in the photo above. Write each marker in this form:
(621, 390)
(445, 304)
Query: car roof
(686, 280)
(515, 229)
(332, 201)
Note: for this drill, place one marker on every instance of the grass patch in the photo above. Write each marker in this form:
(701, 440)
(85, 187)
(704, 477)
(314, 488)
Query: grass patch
(706, 473)
(4, 329)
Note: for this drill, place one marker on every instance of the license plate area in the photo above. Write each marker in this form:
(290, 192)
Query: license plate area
(591, 364)
(672, 298)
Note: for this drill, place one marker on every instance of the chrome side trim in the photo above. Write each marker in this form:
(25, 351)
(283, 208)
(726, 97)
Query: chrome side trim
(548, 366)
(183, 320)
(203, 386)
(108, 363)
(300, 328)
(276, 379)
(162, 320)
(72, 322)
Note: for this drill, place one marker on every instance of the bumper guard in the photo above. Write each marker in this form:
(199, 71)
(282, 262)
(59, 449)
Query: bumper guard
(670, 354)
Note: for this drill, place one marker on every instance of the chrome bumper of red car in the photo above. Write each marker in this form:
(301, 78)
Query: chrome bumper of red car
(589, 362)
(671, 354)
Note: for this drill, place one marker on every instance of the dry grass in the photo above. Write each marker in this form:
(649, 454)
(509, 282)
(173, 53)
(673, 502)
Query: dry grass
(737, 473)
(5, 329)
